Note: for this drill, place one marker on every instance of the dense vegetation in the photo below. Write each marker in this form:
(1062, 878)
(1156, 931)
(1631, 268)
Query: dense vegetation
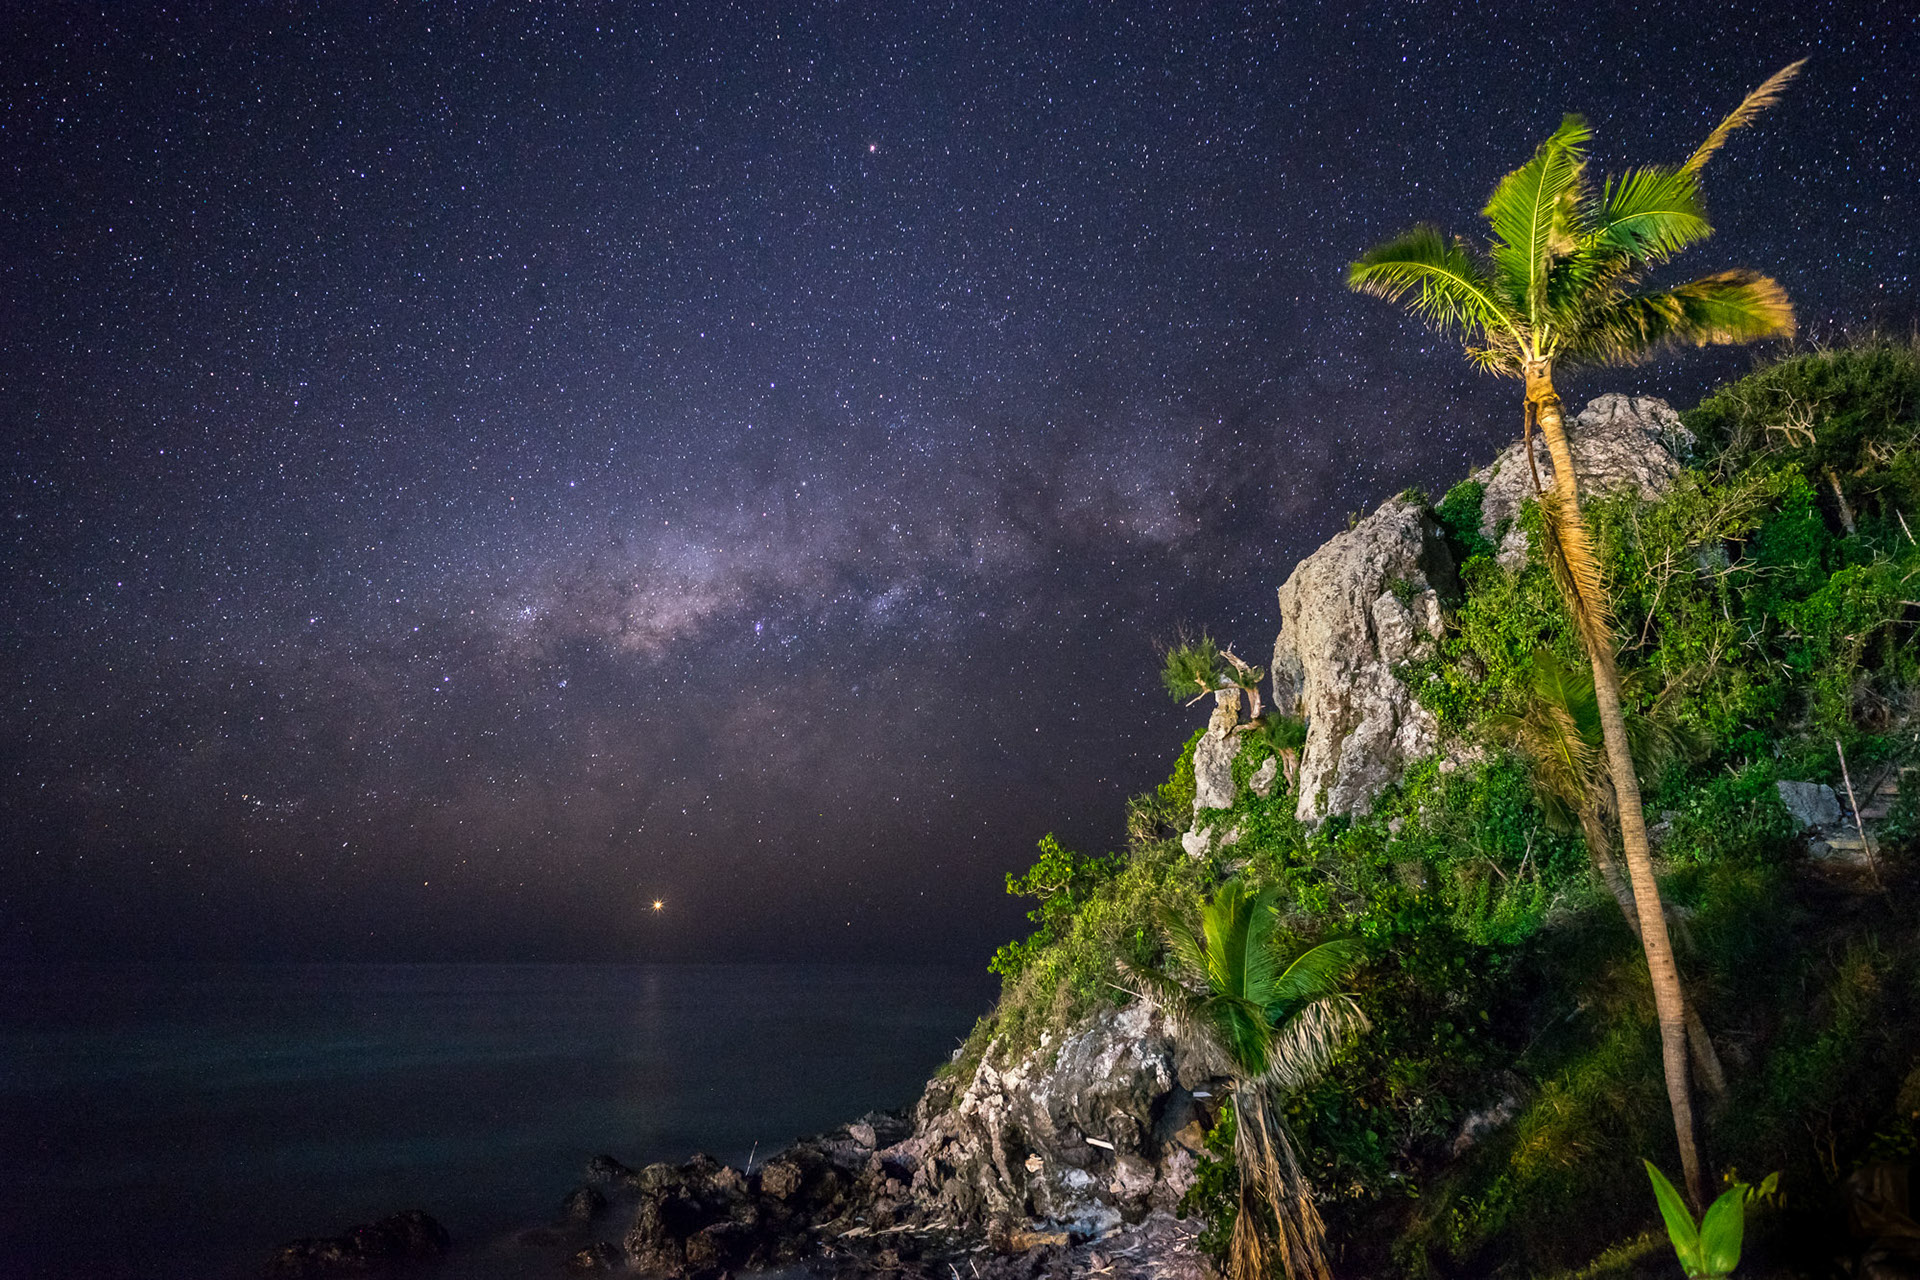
(1769, 602)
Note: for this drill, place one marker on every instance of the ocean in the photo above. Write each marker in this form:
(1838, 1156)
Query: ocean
(166, 1122)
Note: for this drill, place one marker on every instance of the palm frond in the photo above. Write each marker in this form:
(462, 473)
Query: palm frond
(1577, 573)
(1258, 963)
(1500, 359)
(1313, 973)
(1308, 1042)
(1439, 280)
(1533, 215)
(1649, 214)
(1726, 307)
(1184, 945)
(1184, 1007)
(1241, 1030)
(1745, 114)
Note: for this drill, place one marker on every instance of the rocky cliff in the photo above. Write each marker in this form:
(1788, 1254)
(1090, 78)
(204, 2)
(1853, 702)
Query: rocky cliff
(1371, 598)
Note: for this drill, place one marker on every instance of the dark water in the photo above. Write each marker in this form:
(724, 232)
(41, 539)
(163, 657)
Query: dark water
(175, 1122)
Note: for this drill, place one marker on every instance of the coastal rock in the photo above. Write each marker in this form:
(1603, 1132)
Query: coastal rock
(1368, 599)
(1076, 1140)
(412, 1236)
(583, 1204)
(596, 1257)
(1618, 442)
(605, 1171)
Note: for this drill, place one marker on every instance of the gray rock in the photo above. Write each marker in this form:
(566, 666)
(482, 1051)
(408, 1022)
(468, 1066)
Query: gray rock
(1197, 842)
(1366, 600)
(1015, 1142)
(1811, 804)
(1261, 783)
(412, 1236)
(1618, 442)
(1369, 600)
(1489, 1119)
(1213, 758)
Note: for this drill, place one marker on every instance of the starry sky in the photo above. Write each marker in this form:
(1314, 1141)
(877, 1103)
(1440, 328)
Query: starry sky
(470, 471)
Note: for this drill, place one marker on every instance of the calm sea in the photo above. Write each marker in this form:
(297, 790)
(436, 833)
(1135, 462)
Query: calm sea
(173, 1122)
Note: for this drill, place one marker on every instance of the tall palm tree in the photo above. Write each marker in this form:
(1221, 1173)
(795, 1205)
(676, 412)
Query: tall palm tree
(1561, 283)
(1271, 1022)
(1558, 731)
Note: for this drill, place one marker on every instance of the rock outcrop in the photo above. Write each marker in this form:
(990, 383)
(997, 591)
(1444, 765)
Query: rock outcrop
(1619, 442)
(1101, 1129)
(1370, 599)
(1366, 601)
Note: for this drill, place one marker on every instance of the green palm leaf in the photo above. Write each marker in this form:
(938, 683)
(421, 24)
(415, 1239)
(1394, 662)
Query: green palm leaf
(1745, 114)
(1439, 279)
(1533, 212)
(1727, 307)
(1314, 973)
(1649, 214)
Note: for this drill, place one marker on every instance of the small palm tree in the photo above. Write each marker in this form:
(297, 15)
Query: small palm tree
(1559, 733)
(1272, 1022)
(1561, 284)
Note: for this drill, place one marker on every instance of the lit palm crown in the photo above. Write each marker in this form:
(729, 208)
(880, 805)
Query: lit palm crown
(1561, 279)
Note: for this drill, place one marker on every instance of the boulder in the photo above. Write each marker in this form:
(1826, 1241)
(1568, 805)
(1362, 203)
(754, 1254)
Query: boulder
(412, 1236)
(1213, 758)
(598, 1256)
(1366, 601)
(605, 1171)
(1812, 805)
(583, 1204)
(1618, 442)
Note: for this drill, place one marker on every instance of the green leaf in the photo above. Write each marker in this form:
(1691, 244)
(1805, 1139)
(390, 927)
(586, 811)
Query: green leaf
(1680, 1228)
(1720, 1231)
(1532, 214)
(1439, 280)
(1650, 214)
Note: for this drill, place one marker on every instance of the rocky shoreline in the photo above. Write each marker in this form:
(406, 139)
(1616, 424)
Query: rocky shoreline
(1071, 1161)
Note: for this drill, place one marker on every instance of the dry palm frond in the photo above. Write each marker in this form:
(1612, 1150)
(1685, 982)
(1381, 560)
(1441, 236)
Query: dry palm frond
(1745, 114)
(1576, 571)
(1307, 1044)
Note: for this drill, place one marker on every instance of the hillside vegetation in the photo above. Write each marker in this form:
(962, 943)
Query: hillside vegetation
(1769, 608)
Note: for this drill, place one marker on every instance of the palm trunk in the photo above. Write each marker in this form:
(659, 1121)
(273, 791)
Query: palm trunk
(1706, 1059)
(1579, 579)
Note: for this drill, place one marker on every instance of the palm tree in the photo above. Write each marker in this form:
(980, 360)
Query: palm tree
(1271, 1022)
(1559, 734)
(1561, 284)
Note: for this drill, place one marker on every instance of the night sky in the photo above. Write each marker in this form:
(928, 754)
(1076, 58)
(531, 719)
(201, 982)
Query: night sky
(469, 473)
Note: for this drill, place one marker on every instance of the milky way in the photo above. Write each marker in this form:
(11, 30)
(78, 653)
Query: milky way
(471, 473)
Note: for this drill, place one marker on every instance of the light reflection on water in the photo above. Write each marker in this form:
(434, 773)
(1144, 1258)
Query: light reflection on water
(180, 1121)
